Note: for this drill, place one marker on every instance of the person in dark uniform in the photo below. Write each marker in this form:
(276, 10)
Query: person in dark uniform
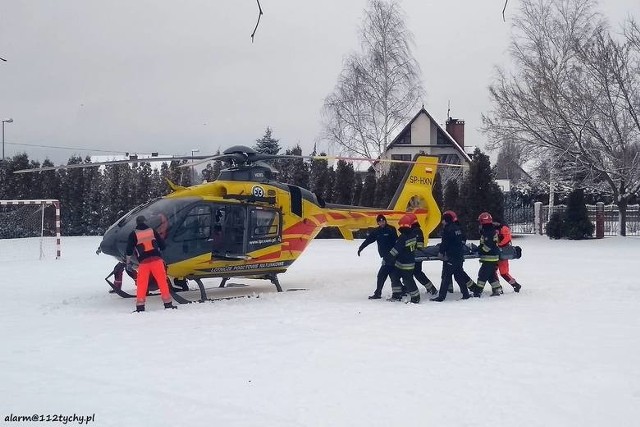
(385, 235)
(417, 271)
(147, 244)
(451, 253)
(402, 257)
(489, 257)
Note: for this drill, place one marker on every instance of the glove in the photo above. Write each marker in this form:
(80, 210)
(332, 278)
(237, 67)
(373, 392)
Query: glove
(359, 250)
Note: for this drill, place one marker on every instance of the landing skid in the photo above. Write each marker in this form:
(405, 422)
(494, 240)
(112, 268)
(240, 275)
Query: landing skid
(272, 277)
(118, 291)
(203, 292)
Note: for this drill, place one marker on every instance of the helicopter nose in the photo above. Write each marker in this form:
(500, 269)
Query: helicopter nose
(109, 244)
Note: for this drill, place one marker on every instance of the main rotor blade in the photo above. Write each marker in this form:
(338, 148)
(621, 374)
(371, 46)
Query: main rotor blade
(106, 163)
(377, 160)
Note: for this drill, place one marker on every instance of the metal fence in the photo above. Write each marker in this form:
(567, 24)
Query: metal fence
(522, 219)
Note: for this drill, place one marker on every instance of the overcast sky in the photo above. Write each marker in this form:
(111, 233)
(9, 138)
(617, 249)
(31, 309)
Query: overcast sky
(172, 76)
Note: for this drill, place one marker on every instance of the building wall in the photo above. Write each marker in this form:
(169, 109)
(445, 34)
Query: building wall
(421, 131)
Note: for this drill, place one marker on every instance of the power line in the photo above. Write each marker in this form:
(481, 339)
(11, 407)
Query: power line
(66, 148)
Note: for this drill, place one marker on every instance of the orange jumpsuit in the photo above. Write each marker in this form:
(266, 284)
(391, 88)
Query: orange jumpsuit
(504, 239)
(147, 243)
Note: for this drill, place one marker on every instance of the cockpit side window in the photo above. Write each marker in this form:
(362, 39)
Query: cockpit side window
(196, 225)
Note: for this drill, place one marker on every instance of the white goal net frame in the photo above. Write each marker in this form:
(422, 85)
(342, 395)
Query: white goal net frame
(43, 203)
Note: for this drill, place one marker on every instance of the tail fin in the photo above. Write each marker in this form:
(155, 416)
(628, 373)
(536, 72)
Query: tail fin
(415, 193)
(174, 186)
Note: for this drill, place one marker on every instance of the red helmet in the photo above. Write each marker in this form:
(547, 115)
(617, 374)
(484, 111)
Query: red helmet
(485, 218)
(406, 221)
(450, 214)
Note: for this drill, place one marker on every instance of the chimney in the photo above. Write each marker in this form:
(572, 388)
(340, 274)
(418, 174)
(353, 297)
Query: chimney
(455, 128)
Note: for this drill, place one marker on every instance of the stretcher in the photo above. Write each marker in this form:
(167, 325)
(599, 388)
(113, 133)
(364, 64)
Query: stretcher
(470, 250)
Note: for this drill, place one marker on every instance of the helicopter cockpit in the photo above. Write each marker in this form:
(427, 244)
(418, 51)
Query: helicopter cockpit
(193, 227)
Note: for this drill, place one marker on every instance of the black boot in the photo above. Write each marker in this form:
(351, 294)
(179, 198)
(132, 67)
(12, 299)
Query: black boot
(169, 305)
(516, 287)
(139, 308)
(438, 299)
(375, 296)
(496, 292)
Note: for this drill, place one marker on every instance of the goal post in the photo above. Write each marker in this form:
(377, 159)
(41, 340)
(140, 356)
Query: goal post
(33, 219)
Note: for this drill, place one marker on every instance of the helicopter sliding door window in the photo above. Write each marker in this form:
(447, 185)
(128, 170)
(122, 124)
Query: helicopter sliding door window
(265, 228)
(234, 230)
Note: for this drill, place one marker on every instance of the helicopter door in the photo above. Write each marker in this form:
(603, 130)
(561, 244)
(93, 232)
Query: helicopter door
(265, 228)
(228, 238)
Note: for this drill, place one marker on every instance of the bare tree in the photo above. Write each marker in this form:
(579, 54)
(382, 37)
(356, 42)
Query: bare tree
(573, 96)
(377, 89)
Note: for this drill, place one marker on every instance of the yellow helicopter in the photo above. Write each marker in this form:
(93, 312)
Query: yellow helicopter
(247, 224)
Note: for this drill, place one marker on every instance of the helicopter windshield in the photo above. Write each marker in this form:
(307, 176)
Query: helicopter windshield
(160, 213)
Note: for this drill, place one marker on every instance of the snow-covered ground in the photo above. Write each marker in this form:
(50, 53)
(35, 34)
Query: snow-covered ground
(563, 352)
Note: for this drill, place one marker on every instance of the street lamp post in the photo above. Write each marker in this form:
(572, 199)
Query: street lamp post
(193, 170)
(3, 122)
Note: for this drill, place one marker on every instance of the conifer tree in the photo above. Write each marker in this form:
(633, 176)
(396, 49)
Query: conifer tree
(267, 144)
(158, 184)
(143, 183)
(319, 177)
(344, 183)
(92, 201)
(18, 186)
(451, 197)
(381, 200)
(389, 183)
(177, 175)
(112, 203)
(367, 196)
(479, 193)
(71, 201)
(50, 182)
(357, 189)
(329, 195)
(208, 173)
(298, 170)
(577, 225)
(126, 190)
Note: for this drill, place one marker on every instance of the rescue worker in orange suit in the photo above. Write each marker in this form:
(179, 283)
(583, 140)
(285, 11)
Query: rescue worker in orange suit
(489, 256)
(402, 257)
(385, 235)
(147, 244)
(452, 255)
(418, 274)
(504, 239)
